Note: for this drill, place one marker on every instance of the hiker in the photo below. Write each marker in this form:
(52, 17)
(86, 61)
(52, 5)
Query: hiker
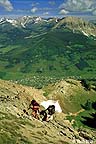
(51, 109)
(35, 109)
(47, 103)
(43, 115)
(47, 114)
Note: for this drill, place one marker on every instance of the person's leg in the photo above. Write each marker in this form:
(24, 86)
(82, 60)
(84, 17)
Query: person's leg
(33, 113)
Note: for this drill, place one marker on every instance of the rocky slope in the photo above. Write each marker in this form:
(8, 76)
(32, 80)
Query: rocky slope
(17, 127)
(77, 25)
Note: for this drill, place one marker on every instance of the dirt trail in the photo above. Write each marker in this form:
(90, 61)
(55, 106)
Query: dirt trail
(75, 114)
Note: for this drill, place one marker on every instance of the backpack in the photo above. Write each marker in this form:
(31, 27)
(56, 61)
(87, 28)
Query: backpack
(51, 109)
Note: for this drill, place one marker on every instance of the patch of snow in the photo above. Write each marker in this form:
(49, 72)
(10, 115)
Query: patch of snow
(22, 24)
(56, 20)
(46, 104)
(38, 19)
(9, 20)
(13, 22)
(1, 22)
(85, 33)
(93, 35)
(26, 16)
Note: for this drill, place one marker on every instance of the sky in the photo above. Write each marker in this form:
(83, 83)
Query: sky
(48, 8)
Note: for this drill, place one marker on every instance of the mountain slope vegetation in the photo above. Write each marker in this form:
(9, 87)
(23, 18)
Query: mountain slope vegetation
(54, 47)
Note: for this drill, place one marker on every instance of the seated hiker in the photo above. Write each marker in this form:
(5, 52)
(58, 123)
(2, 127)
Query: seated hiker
(51, 109)
(35, 108)
(43, 115)
(47, 114)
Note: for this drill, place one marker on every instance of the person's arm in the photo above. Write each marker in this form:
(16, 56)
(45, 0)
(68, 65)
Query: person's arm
(30, 107)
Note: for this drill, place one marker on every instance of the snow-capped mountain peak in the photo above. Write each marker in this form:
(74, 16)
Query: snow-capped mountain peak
(38, 19)
(11, 21)
(73, 23)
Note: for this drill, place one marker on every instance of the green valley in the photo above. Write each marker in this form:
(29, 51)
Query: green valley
(47, 50)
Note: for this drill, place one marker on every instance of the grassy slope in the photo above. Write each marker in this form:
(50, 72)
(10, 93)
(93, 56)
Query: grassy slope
(20, 128)
(58, 53)
(72, 96)
(70, 93)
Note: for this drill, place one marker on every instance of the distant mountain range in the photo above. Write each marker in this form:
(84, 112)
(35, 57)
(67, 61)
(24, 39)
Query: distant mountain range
(73, 23)
(50, 47)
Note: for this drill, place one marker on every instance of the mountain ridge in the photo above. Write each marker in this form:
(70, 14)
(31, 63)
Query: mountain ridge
(78, 24)
(73, 23)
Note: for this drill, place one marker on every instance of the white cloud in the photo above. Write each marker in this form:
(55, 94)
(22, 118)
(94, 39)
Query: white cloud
(63, 12)
(94, 12)
(46, 9)
(52, 2)
(34, 9)
(35, 4)
(46, 13)
(79, 5)
(6, 4)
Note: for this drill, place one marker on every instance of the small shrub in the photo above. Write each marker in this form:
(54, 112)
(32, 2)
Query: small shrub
(45, 94)
(86, 84)
(88, 105)
(94, 105)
